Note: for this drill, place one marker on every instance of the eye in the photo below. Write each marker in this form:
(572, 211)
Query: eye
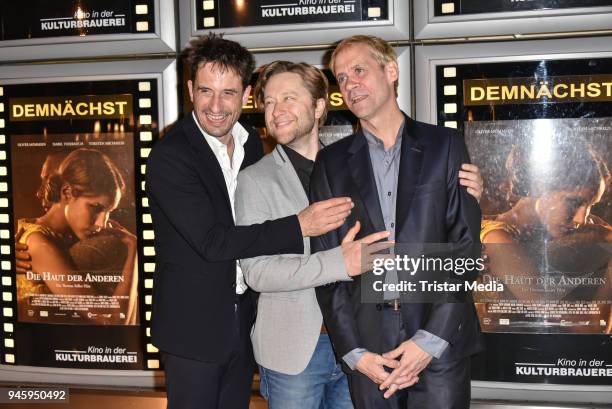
(341, 79)
(359, 70)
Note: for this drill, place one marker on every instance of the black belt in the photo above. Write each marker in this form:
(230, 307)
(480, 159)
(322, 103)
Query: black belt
(394, 305)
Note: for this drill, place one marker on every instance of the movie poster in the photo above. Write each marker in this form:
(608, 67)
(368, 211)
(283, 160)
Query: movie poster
(497, 6)
(340, 122)
(249, 13)
(540, 132)
(73, 167)
(61, 18)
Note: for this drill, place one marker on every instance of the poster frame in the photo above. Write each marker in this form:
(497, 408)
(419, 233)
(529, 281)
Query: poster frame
(164, 72)
(427, 59)
(395, 28)
(514, 25)
(162, 40)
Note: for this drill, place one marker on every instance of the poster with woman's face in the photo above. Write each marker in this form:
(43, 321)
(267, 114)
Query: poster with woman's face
(75, 170)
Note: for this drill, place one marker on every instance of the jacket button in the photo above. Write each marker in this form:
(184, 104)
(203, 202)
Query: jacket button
(379, 307)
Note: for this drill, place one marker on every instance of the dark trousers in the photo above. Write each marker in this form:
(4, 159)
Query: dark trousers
(192, 384)
(442, 384)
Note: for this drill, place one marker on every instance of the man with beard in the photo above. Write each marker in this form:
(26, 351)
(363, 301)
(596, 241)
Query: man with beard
(294, 353)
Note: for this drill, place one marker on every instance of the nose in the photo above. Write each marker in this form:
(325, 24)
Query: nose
(215, 103)
(100, 220)
(580, 217)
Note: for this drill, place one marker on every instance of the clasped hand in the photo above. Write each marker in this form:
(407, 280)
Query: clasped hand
(406, 361)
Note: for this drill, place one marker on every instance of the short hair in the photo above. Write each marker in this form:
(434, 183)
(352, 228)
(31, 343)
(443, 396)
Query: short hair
(382, 52)
(314, 81)
(225, 54)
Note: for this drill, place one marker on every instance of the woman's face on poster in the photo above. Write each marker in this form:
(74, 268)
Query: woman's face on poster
(561, 212)
(88, 214)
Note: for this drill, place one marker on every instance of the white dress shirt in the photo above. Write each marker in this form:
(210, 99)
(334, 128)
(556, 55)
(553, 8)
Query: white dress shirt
(230, 169)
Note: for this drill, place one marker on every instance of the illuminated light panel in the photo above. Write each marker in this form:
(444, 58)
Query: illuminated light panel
(149, 267)
(9, 358)
(144, 102)
(2, 139)
(6, 281)
(142, 26)
(153, 363)
(450, 72)
(4, 202)
(148, 283)
(145, 202)
(448, 8)
(1, 123)
(5, 234)
(1, 91)
(148, 299)
(146, 218)
(146, 136)
(450, 108)
(148, 332)
(143, 169)
(5, 249)
(4, 218)
(142, 9)
(2, 155)
(9, 343)
(149, 251)
(374, 12)
(2, 170)
(142, 185)
(148, 235)
(152, 349)
(450, 90)
(450, 124)
(208, 5)
(148, 315)
(144, 119)
(7, 312)
(7, 296)
(8, 327)
(209, 22)
(144, 152)
(144, 86)
(6, 265)
(1, 107)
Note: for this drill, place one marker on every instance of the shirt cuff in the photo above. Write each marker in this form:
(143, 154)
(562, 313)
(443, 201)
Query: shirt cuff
(429, 343)
(353, 357)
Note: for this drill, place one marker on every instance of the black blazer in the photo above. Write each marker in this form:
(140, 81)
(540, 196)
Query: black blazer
(431, 208)
(197, 243)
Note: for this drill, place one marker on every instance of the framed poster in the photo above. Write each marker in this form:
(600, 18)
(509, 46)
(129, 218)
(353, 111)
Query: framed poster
(537, 119)
(74, 154)
(40, 29)
(438, 19)
(277, 23)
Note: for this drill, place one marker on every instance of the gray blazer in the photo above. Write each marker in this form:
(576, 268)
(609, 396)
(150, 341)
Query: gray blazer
(288, 320)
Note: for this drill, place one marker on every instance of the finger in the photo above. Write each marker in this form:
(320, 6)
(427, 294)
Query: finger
(335, 201)
(468, 176)
(409, 383)
(390, 391)
(378, 247)
(394, 353)
(21, 247)
(469, 167)
(474, 192)
(350, 235)
(390, 380)
(371, 238)
(469, 183)
(23, 265)
(389, 363)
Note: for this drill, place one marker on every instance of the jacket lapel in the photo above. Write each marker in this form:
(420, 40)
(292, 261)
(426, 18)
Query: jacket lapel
(207, 157)
(361, 171)
(409, 172)
(290, 178)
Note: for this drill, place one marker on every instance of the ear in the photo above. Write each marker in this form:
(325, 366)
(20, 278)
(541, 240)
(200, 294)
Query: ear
(190, 87)
(392, 71)
(66, 192)
(319, 107)
(245, 95)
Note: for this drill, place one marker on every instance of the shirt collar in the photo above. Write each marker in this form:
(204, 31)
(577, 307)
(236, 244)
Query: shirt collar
(239, 133)
(376, 142)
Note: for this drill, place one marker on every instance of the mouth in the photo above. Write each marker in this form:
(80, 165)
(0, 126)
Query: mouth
(357, 98)
(216, 118)
(282, 124)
